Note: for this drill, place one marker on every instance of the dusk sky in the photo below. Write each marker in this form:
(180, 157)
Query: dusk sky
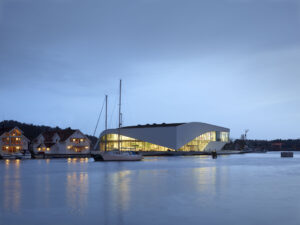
(233, 63)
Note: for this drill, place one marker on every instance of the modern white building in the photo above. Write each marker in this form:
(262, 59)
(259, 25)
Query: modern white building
(192, 136)
(66, 142)
(13, 141)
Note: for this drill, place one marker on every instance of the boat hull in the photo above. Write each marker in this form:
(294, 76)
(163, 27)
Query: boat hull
(117, 157)
(16, 156)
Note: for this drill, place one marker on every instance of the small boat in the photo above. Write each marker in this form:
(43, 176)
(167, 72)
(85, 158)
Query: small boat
(10, 156)
(18, 155)
(287, 154)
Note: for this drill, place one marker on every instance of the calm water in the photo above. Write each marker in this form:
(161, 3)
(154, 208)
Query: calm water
(237, 189)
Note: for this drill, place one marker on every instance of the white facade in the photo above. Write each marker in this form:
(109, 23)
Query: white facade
(64, 142)
(172, 136)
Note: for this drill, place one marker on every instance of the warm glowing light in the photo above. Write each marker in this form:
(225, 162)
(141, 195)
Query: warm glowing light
(129, 144)
(39, 149)
(48, 149)
(6, 147)
(69, 147)
(86, 147)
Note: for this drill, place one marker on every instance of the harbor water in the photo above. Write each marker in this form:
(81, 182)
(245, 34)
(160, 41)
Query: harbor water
(235, 189)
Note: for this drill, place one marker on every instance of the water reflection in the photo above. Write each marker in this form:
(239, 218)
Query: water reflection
(121, 188)
(12, 186)
(210, 180)
(116, 195)
(77, 160)
(77, 191)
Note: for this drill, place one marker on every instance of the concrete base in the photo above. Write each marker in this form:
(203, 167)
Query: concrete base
(52, 156)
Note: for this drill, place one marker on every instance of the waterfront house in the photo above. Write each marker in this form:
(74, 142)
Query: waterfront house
(61, 143)
(12, 141)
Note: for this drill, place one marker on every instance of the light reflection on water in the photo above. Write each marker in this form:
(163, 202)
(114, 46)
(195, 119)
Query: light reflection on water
(121, 188)
(77, 191)
(12, 190)
(170, 190)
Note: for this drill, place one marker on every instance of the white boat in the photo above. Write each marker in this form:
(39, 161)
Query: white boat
(17, 155)
(116, 154)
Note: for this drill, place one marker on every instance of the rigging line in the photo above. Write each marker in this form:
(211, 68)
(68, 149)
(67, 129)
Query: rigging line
(112, 115)
(99, 118)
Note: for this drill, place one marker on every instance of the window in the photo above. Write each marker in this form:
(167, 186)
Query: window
(128, 144)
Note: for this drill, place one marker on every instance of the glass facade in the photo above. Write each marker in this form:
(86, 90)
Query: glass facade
(224, 136)
(128, 144)
(200, 142)
(131, 144)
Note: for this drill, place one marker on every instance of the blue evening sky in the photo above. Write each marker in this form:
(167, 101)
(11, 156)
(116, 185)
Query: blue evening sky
(233, 63)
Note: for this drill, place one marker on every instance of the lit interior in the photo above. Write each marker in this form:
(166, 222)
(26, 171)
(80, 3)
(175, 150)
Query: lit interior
(131, 144)
(12, 142)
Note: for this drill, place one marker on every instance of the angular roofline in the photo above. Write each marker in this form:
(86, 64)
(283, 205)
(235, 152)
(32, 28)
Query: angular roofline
(154, 125)
(63, 134)
(171, 136)
(9, 129)
(166, 125)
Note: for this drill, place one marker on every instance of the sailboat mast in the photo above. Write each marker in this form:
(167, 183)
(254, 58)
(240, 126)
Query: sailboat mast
(120, 116)
(105, 122)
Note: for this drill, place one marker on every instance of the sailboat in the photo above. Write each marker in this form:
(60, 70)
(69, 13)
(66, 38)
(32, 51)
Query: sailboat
(116, 154)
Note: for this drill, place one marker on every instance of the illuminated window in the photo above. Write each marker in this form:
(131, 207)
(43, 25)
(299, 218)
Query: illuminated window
(224, 136)
(200, 142)
(129, 144)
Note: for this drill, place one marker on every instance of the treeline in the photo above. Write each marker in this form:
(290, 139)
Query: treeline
(32, 131)
(273, 145)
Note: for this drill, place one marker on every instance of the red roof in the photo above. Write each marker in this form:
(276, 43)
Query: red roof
(63, 134)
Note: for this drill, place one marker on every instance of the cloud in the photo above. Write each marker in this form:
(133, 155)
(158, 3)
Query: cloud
(212, 61)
